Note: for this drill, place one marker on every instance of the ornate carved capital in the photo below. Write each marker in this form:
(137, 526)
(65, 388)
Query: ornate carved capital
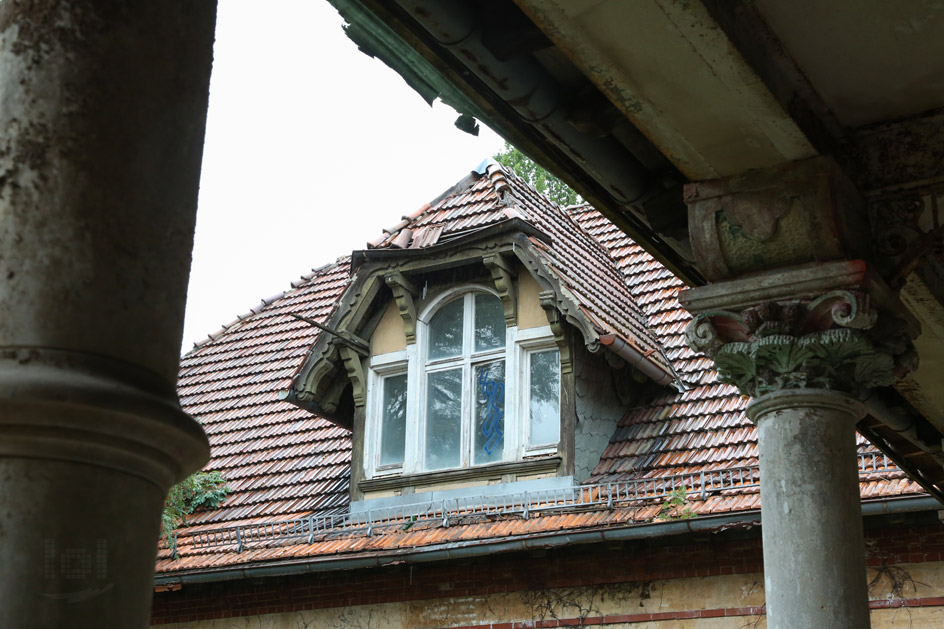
(842, 339)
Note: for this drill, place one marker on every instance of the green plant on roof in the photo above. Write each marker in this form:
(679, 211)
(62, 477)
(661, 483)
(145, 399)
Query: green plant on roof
(674, 507)
(543, 181)
(203, 490)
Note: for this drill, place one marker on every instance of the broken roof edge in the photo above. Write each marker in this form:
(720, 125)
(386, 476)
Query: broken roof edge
(478, 548)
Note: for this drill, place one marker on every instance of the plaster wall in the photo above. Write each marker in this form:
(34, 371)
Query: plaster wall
(389, 336)
(723, 602)
(530, 313)
(523, 606)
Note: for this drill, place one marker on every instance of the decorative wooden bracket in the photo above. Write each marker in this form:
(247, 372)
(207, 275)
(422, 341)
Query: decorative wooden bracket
(549, 302)
(403, 292)
(355, 371)
(318, 379)
(502, 274)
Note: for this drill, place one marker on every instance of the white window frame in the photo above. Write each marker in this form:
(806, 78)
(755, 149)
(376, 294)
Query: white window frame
(383, 366)
(534, 342)
(412, 360)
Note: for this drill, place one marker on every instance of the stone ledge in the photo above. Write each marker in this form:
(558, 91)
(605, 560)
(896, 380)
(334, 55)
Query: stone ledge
(485, 472)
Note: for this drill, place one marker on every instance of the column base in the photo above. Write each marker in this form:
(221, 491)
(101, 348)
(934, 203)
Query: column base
(88, 449)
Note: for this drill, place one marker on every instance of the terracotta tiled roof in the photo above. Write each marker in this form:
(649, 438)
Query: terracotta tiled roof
(580, 262)
(279, 460)
(285, 465)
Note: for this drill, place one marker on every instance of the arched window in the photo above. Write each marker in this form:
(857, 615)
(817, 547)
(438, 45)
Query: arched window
(464, 384)
(470, 392)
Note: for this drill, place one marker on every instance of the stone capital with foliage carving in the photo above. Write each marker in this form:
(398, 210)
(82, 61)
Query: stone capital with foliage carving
(835, 341)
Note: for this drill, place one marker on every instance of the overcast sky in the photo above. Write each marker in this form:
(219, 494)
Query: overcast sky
(312, 148)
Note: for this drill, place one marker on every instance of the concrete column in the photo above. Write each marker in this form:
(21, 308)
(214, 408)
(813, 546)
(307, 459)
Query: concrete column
(814, 553)
(102, 116)
(798, 321)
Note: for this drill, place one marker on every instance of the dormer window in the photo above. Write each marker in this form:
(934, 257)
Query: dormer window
(470, 392)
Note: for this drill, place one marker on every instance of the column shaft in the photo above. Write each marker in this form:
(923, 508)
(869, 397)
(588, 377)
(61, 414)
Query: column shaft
(102, 116)
(814, 558)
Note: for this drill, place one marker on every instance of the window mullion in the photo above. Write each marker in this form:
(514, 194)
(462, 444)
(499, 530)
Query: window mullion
(468, 389)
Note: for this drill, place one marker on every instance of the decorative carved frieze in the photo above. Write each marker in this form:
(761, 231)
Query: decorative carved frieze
(908, 230)
(842, 339)
(792, 214)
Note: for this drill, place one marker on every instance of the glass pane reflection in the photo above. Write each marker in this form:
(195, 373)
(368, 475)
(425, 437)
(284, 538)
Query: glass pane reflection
(545, 397)
(489, 383)
(393, 430)
(445, 331)
(489, 322)
(443, 419)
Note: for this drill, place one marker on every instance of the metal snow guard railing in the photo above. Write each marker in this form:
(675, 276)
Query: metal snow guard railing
(447, 511)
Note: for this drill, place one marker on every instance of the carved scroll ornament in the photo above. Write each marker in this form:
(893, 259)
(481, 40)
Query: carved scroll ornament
(835, 341)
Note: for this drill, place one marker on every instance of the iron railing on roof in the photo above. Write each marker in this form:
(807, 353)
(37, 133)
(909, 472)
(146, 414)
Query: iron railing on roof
(622, 494)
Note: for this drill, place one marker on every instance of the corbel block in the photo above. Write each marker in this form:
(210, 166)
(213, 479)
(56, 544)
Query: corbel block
(403, 293)
(549, 303)
(355, 372)
(503, 277)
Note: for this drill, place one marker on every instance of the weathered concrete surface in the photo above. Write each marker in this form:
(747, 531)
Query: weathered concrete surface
(814, 557)
(102, 115)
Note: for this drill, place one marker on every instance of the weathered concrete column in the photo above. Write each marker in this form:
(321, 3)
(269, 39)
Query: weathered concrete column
(805, 333)
(811, 514)
(102, 116)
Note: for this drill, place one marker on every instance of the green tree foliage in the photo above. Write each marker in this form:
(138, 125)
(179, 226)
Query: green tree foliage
(200, 490)
(543, 181)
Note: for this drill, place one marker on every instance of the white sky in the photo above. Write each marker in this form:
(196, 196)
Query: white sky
(312, 148)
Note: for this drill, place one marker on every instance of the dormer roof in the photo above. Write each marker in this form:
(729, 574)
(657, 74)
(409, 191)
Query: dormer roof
(486, 213)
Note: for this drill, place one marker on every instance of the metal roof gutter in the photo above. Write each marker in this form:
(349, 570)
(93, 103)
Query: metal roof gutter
(709, 524)
(637, 359)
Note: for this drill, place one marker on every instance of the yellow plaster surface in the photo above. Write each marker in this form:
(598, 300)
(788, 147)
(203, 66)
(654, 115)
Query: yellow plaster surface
(530, 313)
(389, 336)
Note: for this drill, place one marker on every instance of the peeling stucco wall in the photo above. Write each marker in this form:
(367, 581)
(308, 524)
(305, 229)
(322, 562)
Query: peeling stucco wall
(725, 601)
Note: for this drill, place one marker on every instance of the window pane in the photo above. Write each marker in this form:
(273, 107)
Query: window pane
(545, 397)
(443, 419)
(445, 331)
(393, 431)
(489, 412)
(489, 322)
